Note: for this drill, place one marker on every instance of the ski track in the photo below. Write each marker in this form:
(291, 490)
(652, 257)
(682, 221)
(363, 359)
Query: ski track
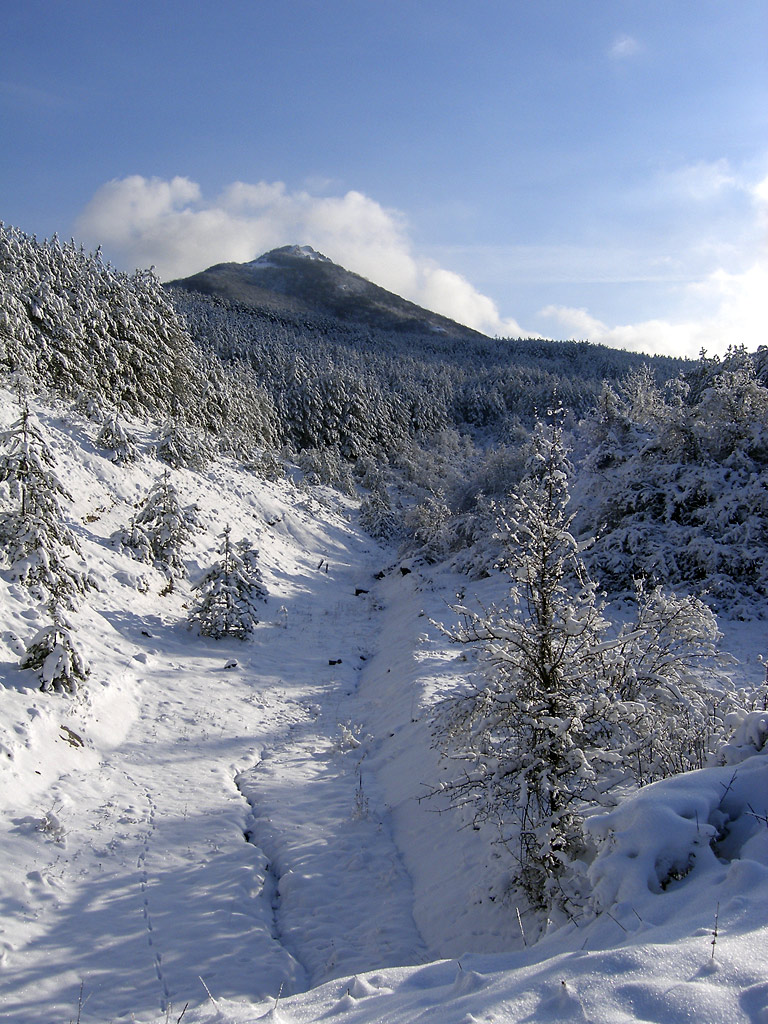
(154, 872)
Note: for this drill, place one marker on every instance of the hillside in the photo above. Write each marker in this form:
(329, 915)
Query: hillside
(298, 279)
(239, 828)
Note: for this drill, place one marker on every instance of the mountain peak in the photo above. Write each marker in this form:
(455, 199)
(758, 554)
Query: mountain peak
(299, 279)
(301, 251)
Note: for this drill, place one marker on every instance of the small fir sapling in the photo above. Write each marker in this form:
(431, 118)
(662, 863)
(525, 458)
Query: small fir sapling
(37, 543)
(182, 446)
(54, 655)
(121, 442)
(377, 517)
(160, 527)
(230, 592)
(27, 467)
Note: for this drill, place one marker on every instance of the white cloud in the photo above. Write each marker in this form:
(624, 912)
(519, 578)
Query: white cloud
(703, 181)
(718, 286)
(739, 312)
(169, 224)
(624, 46)
(715, 291)
(760, 194)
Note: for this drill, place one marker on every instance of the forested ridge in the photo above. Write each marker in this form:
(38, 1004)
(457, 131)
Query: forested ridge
(670, 457)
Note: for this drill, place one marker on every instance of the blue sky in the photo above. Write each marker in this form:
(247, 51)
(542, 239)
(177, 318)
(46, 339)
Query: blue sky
(572, 168)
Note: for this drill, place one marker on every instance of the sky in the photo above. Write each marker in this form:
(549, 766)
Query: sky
(591, 169)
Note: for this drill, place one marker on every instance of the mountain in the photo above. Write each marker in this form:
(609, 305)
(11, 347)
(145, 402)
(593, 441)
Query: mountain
(299, 279)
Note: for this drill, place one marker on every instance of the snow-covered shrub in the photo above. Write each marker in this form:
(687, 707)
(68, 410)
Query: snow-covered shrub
(746, 726)
(475, 547)
(676, 831)
(497, 472)
(673, 684)
(749, 735)
(676, 482)
(426, 528)
(88, 405)
(229, 592)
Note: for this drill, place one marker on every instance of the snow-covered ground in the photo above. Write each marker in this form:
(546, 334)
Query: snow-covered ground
(255, 841)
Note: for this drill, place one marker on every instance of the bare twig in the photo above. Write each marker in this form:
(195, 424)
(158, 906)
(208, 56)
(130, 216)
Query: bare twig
(714, 933)
(616, 920)
(209, 994)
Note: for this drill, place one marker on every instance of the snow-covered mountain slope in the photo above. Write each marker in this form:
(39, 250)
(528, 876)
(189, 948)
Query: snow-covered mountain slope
(297, 278)
(243, 826)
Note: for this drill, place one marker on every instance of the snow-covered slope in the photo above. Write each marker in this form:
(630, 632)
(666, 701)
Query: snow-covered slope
(242, 826)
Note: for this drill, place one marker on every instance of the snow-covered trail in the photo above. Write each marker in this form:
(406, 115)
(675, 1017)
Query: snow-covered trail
(341, 898)
(140, 884)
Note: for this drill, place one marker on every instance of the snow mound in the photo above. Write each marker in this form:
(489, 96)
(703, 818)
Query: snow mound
(681, 828)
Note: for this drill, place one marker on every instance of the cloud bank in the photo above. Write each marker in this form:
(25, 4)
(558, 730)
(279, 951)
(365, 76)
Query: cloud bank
(170, 225)
(731, 305)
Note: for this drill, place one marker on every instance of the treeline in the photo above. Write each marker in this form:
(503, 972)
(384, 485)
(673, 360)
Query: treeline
(72, 323)
(671, 457)
(362, 390)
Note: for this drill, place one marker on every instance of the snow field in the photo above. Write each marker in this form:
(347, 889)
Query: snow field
(260, 832)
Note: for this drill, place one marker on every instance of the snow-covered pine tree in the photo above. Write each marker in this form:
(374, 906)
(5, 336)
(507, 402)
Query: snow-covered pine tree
(229, 592)
(182, 446)
(54, 655)
(159, 529)
(33, 534)
(27, 467)
(76, 324)
(377, 516)
(326, 466)
(134, 540)
(249, 558)
(537, 725)
(121, 442)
